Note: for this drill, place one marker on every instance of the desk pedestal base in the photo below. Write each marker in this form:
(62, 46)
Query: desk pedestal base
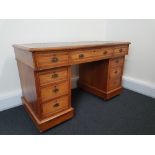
(98, 92)
(45, 124)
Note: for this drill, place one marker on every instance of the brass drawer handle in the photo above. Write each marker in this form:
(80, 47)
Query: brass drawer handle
(116, 72)
(55, 59)
(121, 50)
(55, 90)
(55, 75)
(56, 105)
(105, 52)
(81, 56)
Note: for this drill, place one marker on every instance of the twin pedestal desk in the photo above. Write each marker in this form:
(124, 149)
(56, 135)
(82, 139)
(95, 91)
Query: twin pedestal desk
(45, 74)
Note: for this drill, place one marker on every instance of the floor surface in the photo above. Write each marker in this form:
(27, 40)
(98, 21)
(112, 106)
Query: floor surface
(127, 114)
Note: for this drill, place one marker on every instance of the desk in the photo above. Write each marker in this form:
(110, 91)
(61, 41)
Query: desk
(45, 75)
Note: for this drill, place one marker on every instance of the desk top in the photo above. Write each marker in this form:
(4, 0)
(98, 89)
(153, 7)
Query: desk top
(34, 47)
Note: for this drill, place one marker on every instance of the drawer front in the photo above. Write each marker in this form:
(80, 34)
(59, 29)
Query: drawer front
(115, 72)
(120, 51)
(51, 92)
(115, 83)
(81, 55)
(91, 54)
(103, 52)
(52, 76)
(50, 60)
(55, 106)
(117, 62)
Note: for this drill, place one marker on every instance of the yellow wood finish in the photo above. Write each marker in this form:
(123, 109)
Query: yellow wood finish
(115, 72)
(120, 51)
(55, 106)
(52, 76)
(45, 75)
(103, 52)
(114, 83)
(90, 55)
(51, 60)
(53, 91)
(116, 62)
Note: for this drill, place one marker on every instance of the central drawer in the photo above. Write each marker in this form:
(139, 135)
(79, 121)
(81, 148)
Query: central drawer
(55, 106)
(92, 54)
(53, 91)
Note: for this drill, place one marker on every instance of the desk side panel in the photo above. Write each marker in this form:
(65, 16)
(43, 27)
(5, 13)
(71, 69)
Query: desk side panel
(27, 78)
(24, 57)
(28, 84)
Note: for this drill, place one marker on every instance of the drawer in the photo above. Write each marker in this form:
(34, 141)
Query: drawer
(53, 91)
(50, 60)
(117, 62)
(120, 51)
(115, 72)
(55, 106)
(54, 75)
(91, 54)
(81, 55)
(103, 52)
(114, 83)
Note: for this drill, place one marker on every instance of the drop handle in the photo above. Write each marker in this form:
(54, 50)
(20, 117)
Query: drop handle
(81, 56)
(56, 105)
(55, 59)
(55, 90)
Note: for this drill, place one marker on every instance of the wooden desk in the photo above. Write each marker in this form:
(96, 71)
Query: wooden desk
(45, 74)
